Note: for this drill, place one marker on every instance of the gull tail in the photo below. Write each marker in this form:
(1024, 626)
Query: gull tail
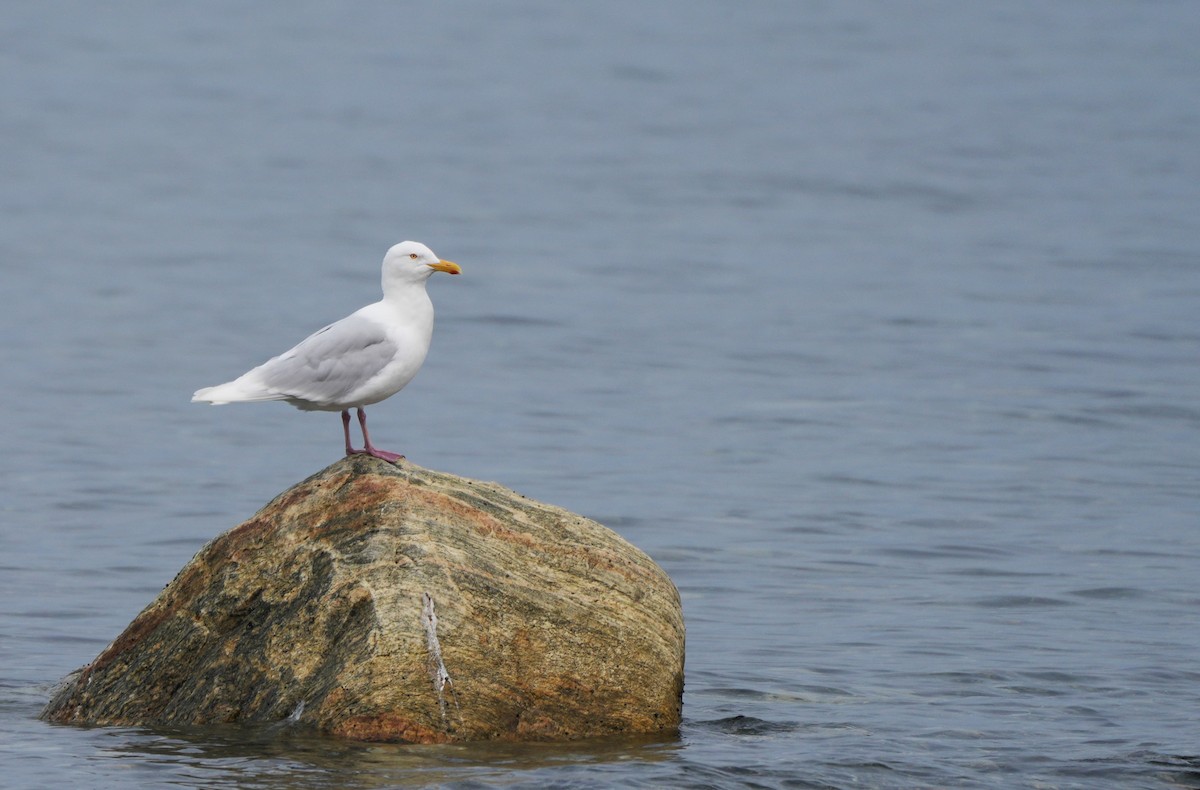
(236, 391)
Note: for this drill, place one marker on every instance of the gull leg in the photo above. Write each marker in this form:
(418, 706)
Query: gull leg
(368, 448)
(346, 430)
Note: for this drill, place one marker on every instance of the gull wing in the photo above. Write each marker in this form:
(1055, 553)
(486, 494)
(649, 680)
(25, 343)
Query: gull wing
(329, 365)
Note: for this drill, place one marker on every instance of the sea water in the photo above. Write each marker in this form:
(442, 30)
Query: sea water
(876, 325)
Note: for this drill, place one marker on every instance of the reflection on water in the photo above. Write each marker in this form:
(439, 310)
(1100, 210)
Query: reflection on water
(286, 756)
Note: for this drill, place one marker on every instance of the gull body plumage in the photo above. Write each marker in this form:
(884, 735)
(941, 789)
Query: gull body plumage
(362, 359)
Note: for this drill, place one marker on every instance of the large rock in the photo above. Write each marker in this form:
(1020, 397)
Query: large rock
(393, 603)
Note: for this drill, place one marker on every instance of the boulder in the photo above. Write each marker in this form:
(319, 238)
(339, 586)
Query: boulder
(386, 602)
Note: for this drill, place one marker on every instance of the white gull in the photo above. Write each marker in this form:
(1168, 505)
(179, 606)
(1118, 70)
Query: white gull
(369, 355)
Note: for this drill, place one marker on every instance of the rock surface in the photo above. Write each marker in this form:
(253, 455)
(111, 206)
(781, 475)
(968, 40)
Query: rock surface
(394, 603)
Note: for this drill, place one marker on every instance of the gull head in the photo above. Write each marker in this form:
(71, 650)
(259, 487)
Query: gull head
(414, 262)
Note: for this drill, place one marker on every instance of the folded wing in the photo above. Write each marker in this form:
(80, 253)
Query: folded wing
(322, 371)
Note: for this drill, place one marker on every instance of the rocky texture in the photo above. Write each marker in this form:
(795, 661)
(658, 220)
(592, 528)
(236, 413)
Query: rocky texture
(393, 603)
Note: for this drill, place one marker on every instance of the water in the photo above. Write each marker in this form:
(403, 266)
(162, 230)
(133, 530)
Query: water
(875, 325)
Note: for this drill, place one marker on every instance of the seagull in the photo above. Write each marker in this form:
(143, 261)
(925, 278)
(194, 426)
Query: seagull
(369, 355)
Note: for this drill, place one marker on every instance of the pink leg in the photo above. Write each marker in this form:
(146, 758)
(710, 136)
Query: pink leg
(346, 430)
(368, 448)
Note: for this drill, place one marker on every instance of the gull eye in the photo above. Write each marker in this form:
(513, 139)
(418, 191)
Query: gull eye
(413, 255)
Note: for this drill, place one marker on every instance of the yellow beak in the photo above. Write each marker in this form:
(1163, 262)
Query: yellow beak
(446, 266)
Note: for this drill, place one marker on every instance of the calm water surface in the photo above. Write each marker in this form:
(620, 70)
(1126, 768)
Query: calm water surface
(877, 326)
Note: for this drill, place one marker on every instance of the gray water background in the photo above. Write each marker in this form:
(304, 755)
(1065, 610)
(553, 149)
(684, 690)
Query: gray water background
(876, 325)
